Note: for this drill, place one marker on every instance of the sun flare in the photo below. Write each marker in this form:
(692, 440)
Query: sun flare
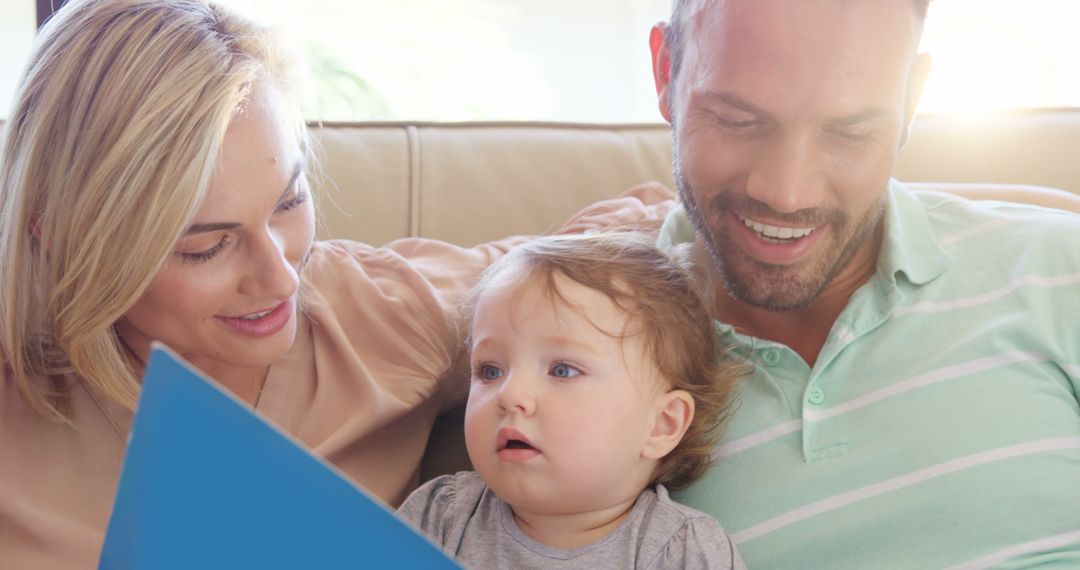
(989, 56)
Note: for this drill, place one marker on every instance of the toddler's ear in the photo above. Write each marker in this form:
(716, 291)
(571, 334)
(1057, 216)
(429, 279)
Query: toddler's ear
(673, 413)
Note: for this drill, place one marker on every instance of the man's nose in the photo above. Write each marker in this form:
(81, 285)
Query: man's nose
(787, 174)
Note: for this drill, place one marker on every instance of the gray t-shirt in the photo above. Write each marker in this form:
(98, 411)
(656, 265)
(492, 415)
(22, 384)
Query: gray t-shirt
(464, 517)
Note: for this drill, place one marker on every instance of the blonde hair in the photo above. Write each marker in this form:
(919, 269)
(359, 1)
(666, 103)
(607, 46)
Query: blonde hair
(655, 291)
(109, 150)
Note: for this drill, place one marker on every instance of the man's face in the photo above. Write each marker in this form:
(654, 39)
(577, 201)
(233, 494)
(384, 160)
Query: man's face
(788, 116)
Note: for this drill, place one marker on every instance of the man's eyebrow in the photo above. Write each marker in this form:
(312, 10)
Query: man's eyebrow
(871, 114)
(222, 226)
(733, 100)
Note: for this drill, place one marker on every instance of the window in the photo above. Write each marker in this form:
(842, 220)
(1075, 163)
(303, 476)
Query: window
(1002, 54)
(17, 25)
(588, 61)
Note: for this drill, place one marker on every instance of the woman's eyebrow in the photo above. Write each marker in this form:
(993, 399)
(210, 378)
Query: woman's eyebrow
(215, 227)
(221, 226)
(297, 171)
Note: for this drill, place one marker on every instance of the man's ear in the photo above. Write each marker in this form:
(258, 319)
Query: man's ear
(920, 70)
(673, 413)
(661, 65)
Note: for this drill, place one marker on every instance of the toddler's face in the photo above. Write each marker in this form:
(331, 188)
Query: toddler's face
(560, 405)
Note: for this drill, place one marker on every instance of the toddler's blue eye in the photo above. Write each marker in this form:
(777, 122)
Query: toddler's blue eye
(488, 372)
(563, 370)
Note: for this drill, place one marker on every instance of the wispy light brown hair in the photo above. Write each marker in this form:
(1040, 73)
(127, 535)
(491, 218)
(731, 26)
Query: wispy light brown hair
(655, 292)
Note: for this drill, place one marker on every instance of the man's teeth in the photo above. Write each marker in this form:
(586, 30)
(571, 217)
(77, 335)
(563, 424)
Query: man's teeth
(776, 232)
(256, 316)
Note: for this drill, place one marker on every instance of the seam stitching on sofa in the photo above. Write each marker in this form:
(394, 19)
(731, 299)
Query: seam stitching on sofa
(412, 135)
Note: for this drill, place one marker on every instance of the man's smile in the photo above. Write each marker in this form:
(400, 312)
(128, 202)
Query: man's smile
(776, 234)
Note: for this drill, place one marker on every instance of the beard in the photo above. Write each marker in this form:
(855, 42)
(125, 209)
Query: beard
(769, 286)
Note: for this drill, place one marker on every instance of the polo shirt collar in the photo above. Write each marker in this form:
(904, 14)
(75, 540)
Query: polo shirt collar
(909, 246)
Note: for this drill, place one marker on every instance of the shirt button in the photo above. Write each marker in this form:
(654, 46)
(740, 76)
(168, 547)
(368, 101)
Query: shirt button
(771, 357)
(816, 396)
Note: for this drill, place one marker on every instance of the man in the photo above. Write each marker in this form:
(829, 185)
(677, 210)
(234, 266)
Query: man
(914, 360)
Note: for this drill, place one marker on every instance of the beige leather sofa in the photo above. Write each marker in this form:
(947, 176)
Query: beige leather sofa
(472, 182)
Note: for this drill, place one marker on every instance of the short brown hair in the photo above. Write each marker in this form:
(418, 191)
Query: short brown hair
(675, 34)
(656, 293)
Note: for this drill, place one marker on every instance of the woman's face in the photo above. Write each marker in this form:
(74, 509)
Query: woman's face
(226, 297)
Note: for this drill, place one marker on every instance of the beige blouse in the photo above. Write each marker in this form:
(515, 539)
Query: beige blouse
(361, 387)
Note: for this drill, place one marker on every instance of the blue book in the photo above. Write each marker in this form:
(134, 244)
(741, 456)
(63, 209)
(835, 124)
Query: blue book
(208, 484)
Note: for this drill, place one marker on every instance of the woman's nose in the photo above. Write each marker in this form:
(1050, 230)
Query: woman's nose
(270, 274)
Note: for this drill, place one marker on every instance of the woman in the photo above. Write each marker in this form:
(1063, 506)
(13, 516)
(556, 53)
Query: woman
(153, 186)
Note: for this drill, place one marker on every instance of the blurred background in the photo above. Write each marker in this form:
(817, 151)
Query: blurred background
(588, 60)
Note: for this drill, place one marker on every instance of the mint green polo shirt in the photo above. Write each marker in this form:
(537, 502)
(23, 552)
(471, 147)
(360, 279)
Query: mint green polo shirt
(940, 425)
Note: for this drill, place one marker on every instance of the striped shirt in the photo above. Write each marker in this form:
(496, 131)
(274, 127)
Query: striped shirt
(940, 425)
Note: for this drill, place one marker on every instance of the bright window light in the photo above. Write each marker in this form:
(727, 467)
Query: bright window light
(588, 60)
(1002, 54)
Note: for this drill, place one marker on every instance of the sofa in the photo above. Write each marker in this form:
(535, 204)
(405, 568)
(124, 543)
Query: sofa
(473, 182)
(469, 183)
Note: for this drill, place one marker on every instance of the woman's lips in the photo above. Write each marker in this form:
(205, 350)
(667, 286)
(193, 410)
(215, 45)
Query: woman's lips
(264, 325)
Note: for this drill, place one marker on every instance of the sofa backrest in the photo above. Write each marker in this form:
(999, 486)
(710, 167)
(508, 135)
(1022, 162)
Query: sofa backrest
(472, 182)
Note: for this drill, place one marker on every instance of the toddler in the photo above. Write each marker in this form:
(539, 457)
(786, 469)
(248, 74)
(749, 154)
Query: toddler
(596, 386)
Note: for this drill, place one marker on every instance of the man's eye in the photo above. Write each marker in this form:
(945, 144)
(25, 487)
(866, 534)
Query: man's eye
(487, 373)
(853, 136)
(738, 125)
(564, 370)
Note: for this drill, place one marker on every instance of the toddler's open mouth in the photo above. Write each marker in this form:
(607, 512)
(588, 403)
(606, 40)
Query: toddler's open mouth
(513, 446)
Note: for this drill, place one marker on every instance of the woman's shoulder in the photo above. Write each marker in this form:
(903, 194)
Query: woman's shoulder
(427, 271)
(379, 297)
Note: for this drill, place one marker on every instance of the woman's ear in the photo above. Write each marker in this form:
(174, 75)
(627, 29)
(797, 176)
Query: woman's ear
(672, 416)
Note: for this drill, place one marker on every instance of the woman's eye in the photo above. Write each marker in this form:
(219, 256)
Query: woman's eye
(206, 255)
(564, 370)
(300, 198)
(487, 372)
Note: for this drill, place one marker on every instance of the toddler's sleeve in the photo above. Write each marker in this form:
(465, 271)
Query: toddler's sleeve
(700, 544)
(430, 509)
